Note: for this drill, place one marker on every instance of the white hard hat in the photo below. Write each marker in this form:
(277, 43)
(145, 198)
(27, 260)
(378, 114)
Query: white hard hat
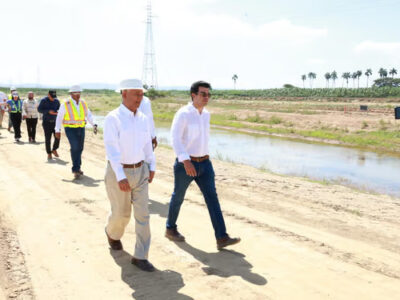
(75, 89)
(13, 88)
(131, 84)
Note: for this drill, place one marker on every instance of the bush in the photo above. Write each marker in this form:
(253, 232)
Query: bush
(153, 93)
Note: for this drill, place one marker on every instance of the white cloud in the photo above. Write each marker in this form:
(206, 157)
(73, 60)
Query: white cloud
(384, 48)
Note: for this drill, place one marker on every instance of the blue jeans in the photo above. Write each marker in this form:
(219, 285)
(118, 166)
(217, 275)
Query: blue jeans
(76, 138)
(205, 180)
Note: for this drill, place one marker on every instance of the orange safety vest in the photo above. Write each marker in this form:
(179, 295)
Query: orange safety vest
(72, 118)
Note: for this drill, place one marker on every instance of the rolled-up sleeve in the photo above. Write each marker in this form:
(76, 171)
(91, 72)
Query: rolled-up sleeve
(111, 143)
(60, 118)
(145, 107)
(177, 130)
(149, 153)
(89, 117)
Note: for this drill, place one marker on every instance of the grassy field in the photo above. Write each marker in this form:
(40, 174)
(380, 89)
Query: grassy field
(328, 119)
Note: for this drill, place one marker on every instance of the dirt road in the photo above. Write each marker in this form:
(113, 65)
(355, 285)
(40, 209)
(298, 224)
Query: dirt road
(300, 239)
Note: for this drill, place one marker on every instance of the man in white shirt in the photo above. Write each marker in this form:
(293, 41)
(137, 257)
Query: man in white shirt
(145, 107)
(190, 134)
(73, 115)
(130, 168)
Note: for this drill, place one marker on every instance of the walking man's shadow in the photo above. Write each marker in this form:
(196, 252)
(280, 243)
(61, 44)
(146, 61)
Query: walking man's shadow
(158, 208)
(58, 161)
(224, 263)
(153, 285)
(85, 180)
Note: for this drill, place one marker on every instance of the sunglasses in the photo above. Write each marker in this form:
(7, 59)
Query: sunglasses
(204, 94)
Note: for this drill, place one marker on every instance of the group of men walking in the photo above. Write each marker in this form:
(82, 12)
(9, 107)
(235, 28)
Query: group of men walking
(131, 165)
(72, 115)
(130, 141)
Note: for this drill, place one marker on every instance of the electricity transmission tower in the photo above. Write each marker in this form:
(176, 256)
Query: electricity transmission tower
(149, 75)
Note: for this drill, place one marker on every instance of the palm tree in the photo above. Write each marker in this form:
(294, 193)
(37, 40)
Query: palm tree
(334, 77)
(359, 74)
(368, 73)
(346, 76)
(303, 77)
(354, 77)
(234, 78)
(311, 76)
(327, 77)
(393, 72)
(382, 73)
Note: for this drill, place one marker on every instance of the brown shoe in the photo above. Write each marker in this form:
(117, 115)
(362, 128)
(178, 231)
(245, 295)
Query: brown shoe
(49, 156)
(174, 235)
(114, 244)
(77, 175)
(143, 264)
(226, 241)
(55, 153)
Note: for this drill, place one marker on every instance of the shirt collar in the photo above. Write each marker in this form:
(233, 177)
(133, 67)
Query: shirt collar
(124, 110)
(192, 108)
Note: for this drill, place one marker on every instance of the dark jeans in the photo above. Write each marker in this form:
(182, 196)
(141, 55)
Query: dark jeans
(9, 121)
(49, 131)
(16, 119)
(31, 127)
(205, 180)
(76, 138)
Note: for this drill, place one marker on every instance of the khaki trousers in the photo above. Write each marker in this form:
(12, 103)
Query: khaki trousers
(121, 207)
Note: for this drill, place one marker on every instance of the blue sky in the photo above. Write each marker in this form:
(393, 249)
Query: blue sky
(266, 43)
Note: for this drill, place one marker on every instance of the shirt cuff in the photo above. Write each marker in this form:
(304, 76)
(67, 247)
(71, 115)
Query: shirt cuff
(119, 172)
(183, 156)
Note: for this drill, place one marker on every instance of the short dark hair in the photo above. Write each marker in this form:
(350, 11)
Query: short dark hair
(195, 86)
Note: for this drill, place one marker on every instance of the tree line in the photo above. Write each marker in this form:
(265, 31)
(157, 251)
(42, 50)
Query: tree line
(355, 76)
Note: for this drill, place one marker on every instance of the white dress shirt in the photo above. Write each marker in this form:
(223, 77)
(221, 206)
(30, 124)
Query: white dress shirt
(145, 107)
(29, 108)
(61, 113)
(190, 132)
(127, 139)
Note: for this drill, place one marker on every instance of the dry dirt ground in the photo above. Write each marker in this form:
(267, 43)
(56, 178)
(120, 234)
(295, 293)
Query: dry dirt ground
(300, 239)
(315, 115)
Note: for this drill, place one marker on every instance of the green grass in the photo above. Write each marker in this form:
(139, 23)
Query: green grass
(384, 137)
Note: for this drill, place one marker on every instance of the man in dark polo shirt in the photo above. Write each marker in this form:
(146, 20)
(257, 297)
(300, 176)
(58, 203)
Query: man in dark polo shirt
(49, 107)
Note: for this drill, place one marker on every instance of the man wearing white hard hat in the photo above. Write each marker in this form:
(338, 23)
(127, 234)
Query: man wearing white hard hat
(130, 168)
(73, 115)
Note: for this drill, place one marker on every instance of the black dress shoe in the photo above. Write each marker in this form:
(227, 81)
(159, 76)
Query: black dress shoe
(143, 264)
(174, 235)
(226, 241)
(114, 244)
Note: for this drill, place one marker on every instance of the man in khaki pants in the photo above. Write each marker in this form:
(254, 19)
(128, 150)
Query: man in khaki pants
(131, 166)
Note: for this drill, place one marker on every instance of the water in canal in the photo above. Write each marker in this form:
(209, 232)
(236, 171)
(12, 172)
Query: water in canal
(361, 169)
